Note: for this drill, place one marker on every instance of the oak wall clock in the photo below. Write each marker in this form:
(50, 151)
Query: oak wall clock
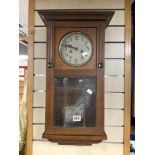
(75, 75)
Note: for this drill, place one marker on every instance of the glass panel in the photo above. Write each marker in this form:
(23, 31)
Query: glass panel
(75, 102)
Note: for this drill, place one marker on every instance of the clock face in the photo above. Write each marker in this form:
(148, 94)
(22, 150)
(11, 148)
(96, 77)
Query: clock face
(76, 49)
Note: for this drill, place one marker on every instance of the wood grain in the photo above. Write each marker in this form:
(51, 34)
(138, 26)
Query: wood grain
(30, 77)
(127, 77)
(111, 133)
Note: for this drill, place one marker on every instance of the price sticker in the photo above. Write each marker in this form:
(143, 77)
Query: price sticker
(76, 118)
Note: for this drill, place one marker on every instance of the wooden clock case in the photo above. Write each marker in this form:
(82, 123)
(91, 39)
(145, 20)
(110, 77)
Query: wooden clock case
(93, 24)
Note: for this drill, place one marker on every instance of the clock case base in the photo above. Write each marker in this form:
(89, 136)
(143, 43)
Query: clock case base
(75, 139)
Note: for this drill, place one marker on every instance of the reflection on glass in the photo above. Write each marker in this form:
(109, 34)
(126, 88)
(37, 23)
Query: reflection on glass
(75, 102)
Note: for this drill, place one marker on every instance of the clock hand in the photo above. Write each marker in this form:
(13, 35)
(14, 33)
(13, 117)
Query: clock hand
(70, 46)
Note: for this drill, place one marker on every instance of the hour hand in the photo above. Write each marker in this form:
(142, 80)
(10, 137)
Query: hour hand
(70, 46)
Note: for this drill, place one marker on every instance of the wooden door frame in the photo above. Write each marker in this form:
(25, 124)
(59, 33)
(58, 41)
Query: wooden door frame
(127, 82)
(30, 83)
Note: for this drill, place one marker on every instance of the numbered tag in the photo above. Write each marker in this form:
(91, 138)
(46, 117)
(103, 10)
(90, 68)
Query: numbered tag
(76, 118)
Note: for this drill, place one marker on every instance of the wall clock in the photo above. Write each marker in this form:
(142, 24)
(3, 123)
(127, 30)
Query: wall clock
(75, 75)
(76, 48)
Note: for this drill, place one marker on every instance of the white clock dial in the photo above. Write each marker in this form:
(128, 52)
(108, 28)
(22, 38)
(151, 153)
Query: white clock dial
(75, 49)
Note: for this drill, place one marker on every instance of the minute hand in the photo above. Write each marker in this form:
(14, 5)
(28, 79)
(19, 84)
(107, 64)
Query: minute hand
(70, 46)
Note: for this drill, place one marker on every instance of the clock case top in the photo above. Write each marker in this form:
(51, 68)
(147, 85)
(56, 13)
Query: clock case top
(86, 21)
(76, 14)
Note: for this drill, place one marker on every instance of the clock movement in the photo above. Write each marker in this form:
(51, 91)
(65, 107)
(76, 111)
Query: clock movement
(75, 75)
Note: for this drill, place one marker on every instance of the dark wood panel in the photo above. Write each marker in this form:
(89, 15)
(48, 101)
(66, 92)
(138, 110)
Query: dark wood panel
(73, 73)
(73, 24)
(76, 14)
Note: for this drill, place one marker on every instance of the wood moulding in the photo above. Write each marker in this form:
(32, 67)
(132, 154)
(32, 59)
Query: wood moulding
(127, 95)
(76, 14)
(30, 77)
